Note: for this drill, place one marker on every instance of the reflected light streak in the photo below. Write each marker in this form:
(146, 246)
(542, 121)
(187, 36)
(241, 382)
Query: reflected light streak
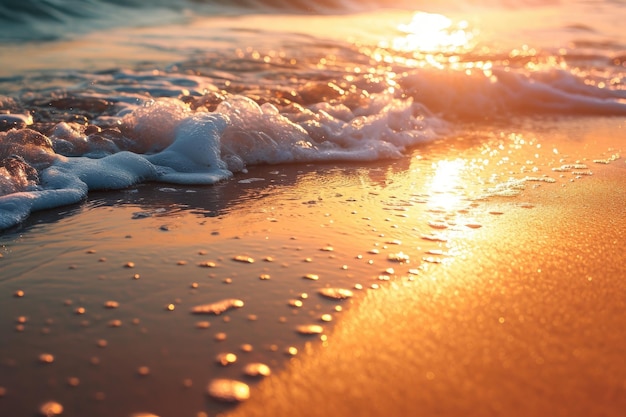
(446, 183)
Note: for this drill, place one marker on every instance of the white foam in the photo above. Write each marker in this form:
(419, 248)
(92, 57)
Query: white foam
(261, 135)
(192, 158)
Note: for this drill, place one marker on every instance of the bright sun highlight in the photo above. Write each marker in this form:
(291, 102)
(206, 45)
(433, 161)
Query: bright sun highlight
(430, 32)
(445, 184)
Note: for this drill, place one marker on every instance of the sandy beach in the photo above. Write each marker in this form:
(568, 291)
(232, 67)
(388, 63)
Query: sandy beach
(526, 320)
(486, 272)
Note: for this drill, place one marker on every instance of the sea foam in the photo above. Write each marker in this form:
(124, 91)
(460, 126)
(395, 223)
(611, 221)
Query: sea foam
(181, 146)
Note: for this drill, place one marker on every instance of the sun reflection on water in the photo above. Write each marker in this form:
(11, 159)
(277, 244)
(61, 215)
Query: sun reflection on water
(431, 32)
(445, 184)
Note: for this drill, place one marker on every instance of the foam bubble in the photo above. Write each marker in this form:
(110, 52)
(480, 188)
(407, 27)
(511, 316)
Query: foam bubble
(194, 156)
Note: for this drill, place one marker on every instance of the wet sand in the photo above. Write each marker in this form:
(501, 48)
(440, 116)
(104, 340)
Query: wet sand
(528, 320)
(487, 274)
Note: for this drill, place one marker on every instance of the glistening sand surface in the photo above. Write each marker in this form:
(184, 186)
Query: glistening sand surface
(512, 306)
(528, 320)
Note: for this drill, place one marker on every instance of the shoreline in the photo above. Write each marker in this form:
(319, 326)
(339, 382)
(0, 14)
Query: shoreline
(525, 320)
(414, 324)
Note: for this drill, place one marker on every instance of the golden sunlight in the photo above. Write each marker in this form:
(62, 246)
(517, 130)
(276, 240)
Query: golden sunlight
(445, 184)
(431, 32)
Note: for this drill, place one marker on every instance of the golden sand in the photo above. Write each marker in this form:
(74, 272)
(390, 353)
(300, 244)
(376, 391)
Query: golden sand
(486, 276)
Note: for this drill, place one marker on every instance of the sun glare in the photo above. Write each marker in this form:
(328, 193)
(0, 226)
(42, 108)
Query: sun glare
(445, 184)
(431, 32)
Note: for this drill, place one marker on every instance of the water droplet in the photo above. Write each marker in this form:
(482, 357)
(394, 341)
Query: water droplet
(114, 323)
(207, 264)
(326, 317)
(3, 392)
(142, 414)
(181, 263)
(73, 381)
(46, 358)
(473, 225)
(398, 257)
(295, 303)
(257, 369)
(220, 337)
(143, 371)
(246, 347)
(432, 259)
(312, 277)
(327, 249)
(308, 329)
(336, 293)
(438, 224)
(203, 325)
(225, 359)
(101, 343)
(434, 237)
(217, 307)
(228, 390)
(50, 408)
(129, 265)
(264, 277)
(111, 304)
(19, 294)
(243, 259)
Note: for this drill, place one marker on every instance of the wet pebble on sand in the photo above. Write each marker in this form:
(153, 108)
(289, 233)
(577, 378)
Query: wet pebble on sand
(228, 390)
(50, 408)
(218, 307)
(256, 369)
(336, 293)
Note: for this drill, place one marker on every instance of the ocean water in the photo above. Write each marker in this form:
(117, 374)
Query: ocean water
(105, 94)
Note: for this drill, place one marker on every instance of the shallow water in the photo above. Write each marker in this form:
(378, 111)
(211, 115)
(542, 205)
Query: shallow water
(271, 89)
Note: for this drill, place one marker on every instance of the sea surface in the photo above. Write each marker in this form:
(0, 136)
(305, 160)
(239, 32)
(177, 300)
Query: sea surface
(105, 94)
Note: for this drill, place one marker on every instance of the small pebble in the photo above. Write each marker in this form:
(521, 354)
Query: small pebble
(46, 358)
(225, 359)
(228, 390)
(143, 371)
(257, 369)
(51, 408)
